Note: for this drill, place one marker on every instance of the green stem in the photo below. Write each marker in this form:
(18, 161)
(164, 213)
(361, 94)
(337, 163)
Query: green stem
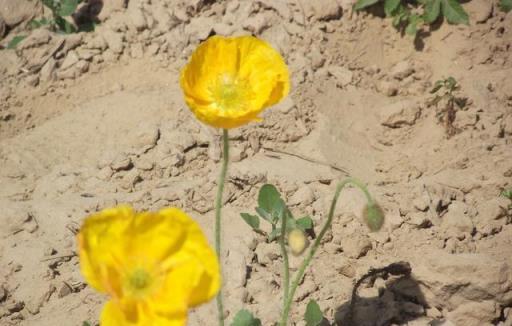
(286, 268)
(218, 224)
(300, 273)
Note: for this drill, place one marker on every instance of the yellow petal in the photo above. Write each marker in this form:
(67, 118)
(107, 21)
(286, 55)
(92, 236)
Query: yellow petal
(112, 315)
(229, 81)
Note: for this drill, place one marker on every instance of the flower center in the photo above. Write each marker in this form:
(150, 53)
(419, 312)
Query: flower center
(230, 93)
(139, 282)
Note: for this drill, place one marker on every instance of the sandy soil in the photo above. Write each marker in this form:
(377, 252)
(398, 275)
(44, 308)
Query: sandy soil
(95, 119)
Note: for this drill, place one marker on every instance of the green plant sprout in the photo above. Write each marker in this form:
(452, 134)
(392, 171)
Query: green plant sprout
(409, 16)
(444, 90)
(272, 208)
(507, 193)
(506, 5)
(61, 9)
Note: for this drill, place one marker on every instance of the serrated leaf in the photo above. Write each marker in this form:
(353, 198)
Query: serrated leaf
(313, 315)
(432, 11)
(361, 4)
(252, 220)
(268, 198)
(391, 6)
(15, 41)
(67, 7)
(305, 223)
(506, 5)
(245, 318)
(454, 13)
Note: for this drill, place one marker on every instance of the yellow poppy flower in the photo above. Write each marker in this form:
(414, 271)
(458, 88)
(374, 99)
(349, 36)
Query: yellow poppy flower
(230, 80)
(154, 266)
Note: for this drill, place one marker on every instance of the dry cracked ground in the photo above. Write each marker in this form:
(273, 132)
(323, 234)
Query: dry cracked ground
(94, 119)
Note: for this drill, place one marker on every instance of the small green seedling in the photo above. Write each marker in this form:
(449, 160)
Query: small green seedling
(13, 43)
(507, 193)
(444, 90)
(272, 208)
(57, 23)
(290, 233)
(506, 5)
(410, 16)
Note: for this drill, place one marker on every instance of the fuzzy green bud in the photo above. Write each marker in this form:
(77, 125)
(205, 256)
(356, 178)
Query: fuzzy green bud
(373, 216)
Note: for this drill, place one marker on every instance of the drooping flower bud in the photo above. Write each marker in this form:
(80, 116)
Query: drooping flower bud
(373, 216)
(297, 241)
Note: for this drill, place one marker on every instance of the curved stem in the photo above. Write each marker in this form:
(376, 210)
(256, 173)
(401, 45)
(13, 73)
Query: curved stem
(316, 244)
(286, 268)
(218, 224)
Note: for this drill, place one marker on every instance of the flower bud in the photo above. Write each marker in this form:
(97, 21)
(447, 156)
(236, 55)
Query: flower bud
(297, 241)
(373, 216)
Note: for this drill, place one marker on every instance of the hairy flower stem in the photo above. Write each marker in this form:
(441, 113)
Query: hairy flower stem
(300, 273)
(218, 207)
(286, 268)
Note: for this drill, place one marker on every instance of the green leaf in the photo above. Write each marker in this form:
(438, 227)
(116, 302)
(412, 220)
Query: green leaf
(245, 318)
(506, 5)
(391, 6)
(263, 214)
(86, 323)
(305, 223)
(67, 7)
(432, 11)
(454, 13)
(15, 41)
(64, 26)
(437, 86)
(50, 4)
(361, 4)
(451, 83)
(313, 316)
(412, 27)
(507, 193)
(268, 198)
(274, 234)
(252, 220)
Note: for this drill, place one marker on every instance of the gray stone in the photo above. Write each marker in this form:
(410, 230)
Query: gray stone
(256, 24)
(15, 12)
(304, 196)
(137, 18)
(322, 9)
(388, 88)
(456, 222)
(70, 60)
(454, 280)
(136, 50)
(342, 75)
(47, 72)
(37, 38)
(492, 215)
(356, 246)
(2, 27)
(114, 41)
(401, 70)
(399, 114)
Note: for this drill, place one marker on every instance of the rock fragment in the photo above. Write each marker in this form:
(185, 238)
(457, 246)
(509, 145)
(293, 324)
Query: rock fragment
(399, 114)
